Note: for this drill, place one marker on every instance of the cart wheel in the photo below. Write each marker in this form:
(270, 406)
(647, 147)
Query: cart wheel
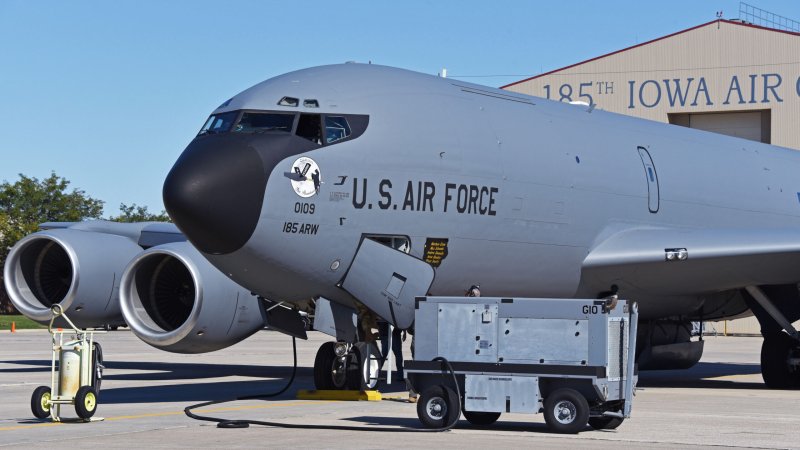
(605, 422)
(86, 402)
(438, 407)
(566, 411)
(40, 402)
(481, 418)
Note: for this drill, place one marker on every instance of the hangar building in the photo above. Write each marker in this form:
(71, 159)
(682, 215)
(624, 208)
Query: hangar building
(727, 76)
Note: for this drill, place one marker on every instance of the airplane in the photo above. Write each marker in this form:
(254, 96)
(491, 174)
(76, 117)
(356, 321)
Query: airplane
(347, 191)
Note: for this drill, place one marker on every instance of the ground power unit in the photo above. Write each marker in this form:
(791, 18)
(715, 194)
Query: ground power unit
(571, 359)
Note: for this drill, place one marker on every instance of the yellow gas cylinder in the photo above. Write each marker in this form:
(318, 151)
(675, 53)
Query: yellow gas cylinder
(69, 369)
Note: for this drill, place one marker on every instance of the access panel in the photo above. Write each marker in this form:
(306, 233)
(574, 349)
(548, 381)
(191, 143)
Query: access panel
(387, 281)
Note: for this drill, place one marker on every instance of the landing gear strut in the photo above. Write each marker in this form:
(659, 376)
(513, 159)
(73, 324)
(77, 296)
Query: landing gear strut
(780, 351)
(340, 366)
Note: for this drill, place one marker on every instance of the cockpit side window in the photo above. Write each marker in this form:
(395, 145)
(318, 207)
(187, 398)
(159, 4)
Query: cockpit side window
(219, 123)
(310, 127)
(257, 122)
(336, 129)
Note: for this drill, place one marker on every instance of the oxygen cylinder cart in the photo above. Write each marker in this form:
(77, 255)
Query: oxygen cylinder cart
(76, 372)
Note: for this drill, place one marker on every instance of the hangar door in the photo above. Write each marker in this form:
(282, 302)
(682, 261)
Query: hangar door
(753, 125)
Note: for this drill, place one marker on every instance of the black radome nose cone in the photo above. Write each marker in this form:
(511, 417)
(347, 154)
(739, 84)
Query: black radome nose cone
(214, 193)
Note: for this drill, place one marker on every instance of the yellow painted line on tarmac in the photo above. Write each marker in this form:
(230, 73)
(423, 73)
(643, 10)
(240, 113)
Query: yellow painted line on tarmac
(173, 413)
(34, 425)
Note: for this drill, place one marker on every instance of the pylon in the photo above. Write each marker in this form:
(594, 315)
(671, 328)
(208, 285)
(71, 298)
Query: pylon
(13, 327)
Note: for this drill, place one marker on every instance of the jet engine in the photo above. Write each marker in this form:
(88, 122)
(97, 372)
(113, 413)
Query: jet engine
(667, 344)
(175, 300)
(80, 270)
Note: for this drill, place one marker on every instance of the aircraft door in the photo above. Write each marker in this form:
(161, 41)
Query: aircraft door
(387, 281)
(653, 195)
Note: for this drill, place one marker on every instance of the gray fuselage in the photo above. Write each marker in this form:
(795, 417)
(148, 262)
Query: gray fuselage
(521, 188)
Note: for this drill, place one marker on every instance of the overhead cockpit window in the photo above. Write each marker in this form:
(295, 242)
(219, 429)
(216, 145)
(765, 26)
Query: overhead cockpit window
(253, 122)
(218, 123)
(310, 103)
(309, 126)
(336, 129)
(289, 101)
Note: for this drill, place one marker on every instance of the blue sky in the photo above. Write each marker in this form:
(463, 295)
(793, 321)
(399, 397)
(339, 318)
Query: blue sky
(108, 93)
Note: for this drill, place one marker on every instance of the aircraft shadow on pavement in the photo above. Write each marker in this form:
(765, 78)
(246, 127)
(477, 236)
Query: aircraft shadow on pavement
(413, 422)
(271, 379)
(41, 365)
(169, 371)
(703, 375)
(200, 392)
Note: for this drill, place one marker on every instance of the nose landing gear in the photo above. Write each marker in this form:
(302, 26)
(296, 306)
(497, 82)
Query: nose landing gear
(343, 366)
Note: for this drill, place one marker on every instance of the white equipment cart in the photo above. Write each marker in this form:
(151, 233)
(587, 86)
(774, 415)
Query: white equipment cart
(75, 373)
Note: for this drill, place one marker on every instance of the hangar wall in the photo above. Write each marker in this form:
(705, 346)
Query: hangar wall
(721, 67)
(723, 76)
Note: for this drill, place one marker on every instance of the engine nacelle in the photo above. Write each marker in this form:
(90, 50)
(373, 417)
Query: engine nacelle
(80, 270)
(175, 300)
(667, 344)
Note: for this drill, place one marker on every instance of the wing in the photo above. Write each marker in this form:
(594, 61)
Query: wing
(715, 259)
(146, 234)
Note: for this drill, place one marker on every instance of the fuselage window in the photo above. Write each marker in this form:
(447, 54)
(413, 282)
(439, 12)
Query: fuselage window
(310, 127)
(336, 129)
(219, 123)
(252, 122)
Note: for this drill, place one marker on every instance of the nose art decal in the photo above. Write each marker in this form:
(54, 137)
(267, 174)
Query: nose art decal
(305, 177)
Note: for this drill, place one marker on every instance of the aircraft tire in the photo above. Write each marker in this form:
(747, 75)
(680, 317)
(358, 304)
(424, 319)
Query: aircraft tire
(481, 419)
(324, 378)
(605, 422)
(775, 350)
(566, 411)
(364, 369)
(438, 407)
(40, 402)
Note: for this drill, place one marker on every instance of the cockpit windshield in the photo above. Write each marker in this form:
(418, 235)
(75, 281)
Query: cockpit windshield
(322, 129)
(218, 123)
(256, 122)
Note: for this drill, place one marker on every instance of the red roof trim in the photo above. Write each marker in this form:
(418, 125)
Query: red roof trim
(650, 42)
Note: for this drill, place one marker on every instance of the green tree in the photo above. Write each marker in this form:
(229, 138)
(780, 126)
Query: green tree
(28, 202)
(136, 213)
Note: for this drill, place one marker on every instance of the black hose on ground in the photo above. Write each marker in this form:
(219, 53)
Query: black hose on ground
(244, 423)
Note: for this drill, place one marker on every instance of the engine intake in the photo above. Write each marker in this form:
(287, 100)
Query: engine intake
(79, 270)
(175, 300)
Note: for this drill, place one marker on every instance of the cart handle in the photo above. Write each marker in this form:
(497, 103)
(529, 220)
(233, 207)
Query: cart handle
(57, 311)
